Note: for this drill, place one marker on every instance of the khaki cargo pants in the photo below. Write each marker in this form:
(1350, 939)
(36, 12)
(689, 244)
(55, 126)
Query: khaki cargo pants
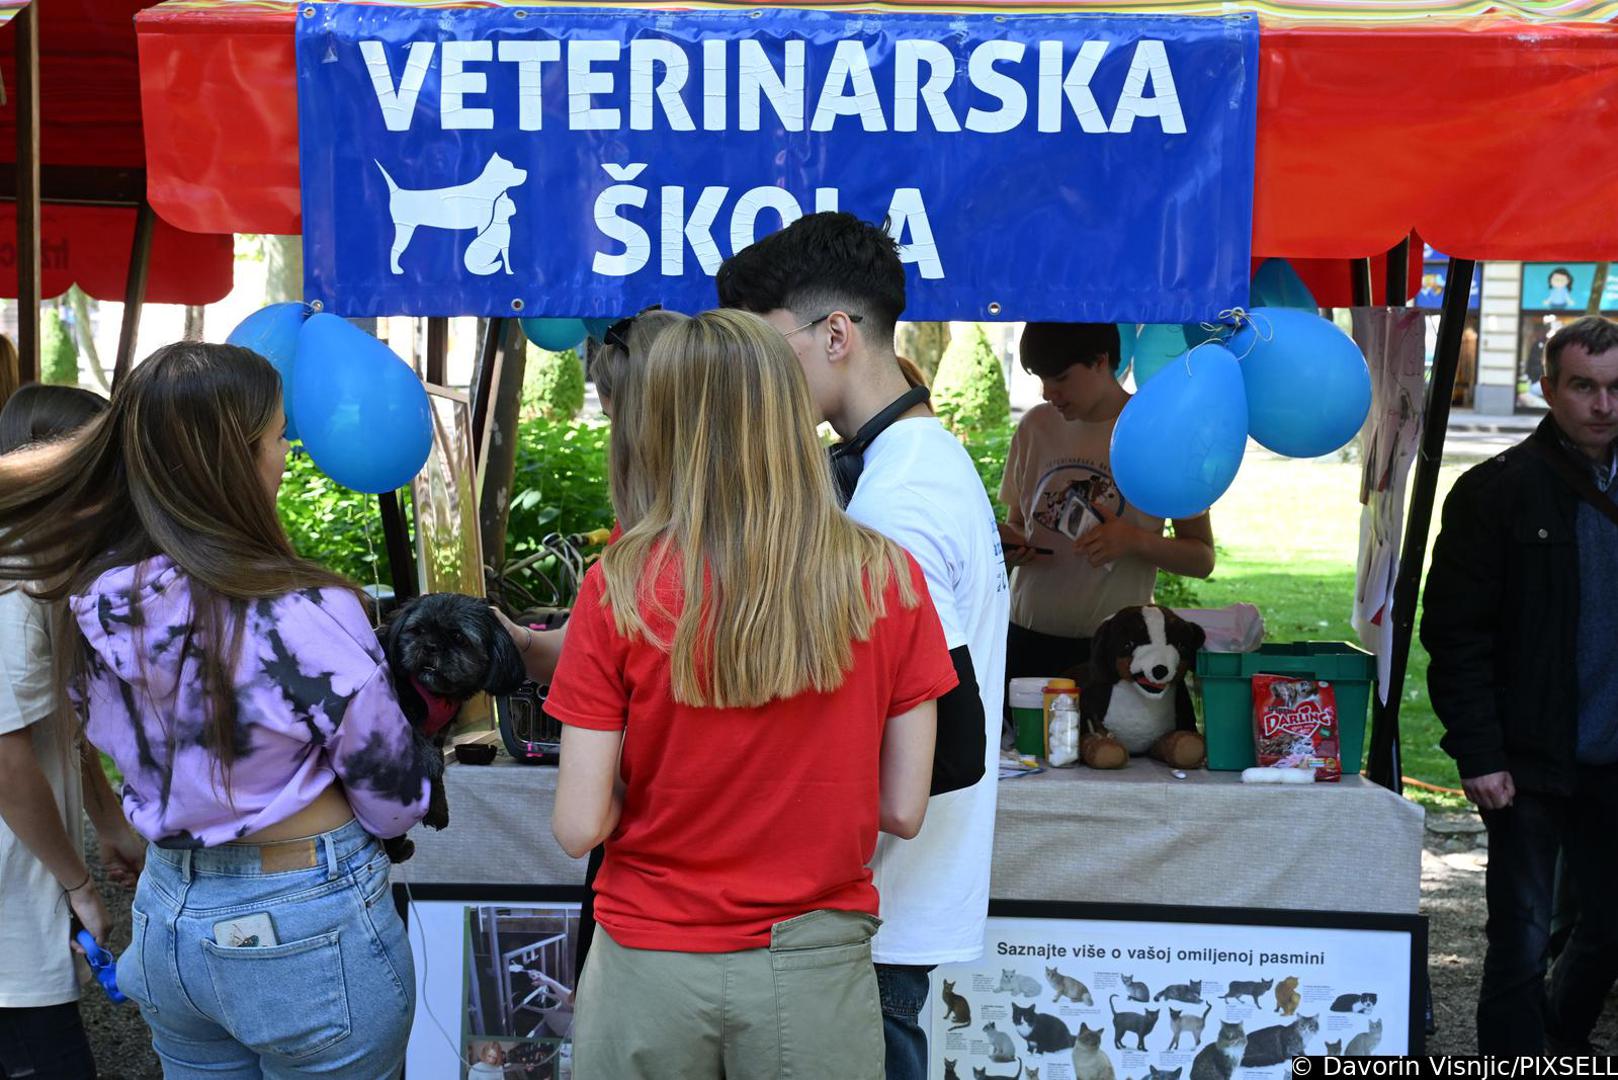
(806, 1008)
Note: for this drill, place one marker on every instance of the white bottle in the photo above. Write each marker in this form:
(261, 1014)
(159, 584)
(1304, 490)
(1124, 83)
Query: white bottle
(1064, 735)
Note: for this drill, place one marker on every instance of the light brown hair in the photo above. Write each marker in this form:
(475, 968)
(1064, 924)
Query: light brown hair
(777, 582)
(618, 369)
(170, 468)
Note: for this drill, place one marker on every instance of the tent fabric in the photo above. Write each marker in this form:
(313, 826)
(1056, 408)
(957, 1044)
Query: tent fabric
(1492, 137)
(1362, 11)
(90, 117)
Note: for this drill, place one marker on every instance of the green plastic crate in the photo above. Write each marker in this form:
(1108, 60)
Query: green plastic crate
(1227, 695)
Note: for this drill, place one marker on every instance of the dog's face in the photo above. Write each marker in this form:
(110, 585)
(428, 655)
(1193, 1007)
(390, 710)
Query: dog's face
(453, 646)
(1151, 648)
(505, 173)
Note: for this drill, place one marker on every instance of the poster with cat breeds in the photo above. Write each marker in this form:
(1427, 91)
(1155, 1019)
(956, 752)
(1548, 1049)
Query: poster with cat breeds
(1089, 996)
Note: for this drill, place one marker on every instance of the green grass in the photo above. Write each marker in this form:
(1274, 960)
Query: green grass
(1288, 537)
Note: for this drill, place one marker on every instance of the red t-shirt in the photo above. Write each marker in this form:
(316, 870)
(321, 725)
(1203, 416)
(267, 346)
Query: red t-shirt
(737, 819)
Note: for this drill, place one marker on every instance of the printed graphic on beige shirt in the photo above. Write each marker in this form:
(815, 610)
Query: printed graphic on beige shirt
(1058, 481)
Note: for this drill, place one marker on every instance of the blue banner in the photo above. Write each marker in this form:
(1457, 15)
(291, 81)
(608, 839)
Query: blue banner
(591, 162)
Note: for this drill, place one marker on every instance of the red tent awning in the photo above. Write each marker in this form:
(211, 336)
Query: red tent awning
(1493, 137)
(90, 117)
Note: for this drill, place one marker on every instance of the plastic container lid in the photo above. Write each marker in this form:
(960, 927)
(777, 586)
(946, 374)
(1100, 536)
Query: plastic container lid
(1027, 693)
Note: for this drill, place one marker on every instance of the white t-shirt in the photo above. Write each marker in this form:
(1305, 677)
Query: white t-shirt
(36, 961)
(920, 489)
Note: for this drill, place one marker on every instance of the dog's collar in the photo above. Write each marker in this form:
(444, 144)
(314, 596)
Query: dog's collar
(440, 710)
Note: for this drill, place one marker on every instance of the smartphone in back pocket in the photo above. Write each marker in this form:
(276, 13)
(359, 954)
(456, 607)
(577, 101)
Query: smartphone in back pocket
(247, 932)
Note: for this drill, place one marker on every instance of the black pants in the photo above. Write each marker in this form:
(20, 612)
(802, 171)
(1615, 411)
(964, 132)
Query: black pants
(45, 1043)
(1031, 654)
(1516, 1009)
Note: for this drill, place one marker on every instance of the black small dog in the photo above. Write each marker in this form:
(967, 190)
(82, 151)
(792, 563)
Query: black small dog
(444, 648)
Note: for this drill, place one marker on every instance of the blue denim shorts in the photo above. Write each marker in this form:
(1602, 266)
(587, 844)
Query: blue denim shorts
(332, 996)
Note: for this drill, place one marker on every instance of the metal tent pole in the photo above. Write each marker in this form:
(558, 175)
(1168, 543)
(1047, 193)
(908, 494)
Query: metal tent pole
(28, 267)
(1385, 767)
(1360, 279)
(140, 261)
(1398, 276)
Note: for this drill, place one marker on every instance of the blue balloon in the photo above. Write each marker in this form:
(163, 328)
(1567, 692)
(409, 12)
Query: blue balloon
(555, 335)
(1178, 443)
(1126, 349)
(1158, 343)
(272, 332)
(597, 328)
(1308, 386)
(364, 413)
(1277, 285)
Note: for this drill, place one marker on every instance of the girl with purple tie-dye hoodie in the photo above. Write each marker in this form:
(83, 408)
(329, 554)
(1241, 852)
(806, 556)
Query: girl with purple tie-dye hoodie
(243, 695)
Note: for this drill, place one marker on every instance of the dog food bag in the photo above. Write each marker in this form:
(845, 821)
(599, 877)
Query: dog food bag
(1295, 725)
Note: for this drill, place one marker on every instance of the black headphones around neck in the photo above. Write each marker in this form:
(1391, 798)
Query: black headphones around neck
(848, 458)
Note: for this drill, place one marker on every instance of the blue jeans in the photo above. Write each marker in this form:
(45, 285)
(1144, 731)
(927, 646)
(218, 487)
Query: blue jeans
(334, 996)
(903, 989)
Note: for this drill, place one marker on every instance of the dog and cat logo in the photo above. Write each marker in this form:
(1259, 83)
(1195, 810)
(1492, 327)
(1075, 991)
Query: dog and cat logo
(483, 205)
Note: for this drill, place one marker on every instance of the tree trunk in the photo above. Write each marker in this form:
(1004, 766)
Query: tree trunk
(1598, 287)
(924, 344)
(283, 271)
(499, 469)
(194, 314)
(84, 337)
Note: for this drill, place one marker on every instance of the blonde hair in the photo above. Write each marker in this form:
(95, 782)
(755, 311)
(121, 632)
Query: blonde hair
(778, 583)
(617, 369)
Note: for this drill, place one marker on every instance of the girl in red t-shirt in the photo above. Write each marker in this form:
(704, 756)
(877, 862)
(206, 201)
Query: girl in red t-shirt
(747, 691)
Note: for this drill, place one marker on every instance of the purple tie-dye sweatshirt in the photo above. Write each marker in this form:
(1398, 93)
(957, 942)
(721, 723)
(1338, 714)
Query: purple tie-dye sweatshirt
(314, 705)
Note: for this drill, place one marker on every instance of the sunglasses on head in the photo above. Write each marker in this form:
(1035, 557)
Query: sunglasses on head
(618, 333)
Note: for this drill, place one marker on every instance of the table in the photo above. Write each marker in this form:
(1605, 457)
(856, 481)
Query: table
(1134, 836)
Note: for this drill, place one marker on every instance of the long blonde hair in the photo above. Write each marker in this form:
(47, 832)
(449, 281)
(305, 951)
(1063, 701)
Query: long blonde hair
(777, 583)
(618, 368)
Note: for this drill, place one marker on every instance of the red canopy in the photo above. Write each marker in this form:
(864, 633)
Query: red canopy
(90, 116)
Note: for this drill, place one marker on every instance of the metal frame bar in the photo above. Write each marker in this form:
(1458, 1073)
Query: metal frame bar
(140, 262)
(483, 381)
(1398, 275)
(28, 214)
(83, 185)
(437, 349)
(1385, 765)
(1360, 271)
(396, 540)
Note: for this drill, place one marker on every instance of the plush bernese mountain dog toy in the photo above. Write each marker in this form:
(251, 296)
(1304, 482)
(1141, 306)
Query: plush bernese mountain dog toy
(1132, 696)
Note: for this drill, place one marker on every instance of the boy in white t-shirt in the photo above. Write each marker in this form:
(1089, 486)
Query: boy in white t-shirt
(834, 286)
(1082, 552)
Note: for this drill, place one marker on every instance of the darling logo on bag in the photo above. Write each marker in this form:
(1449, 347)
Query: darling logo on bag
(483, 205)
(1306, 719)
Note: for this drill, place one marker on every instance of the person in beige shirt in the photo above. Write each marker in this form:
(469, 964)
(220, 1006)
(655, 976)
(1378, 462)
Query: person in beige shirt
(1081, 551)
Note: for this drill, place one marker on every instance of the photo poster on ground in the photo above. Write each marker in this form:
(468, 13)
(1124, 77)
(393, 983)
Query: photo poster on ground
(494, 981)
(1145, 991)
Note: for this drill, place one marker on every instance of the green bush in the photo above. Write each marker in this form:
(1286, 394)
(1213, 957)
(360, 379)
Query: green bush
(553, 385)
(333, 526)
(560, 483)
(970, 393)
(989, 449)
(58, 356)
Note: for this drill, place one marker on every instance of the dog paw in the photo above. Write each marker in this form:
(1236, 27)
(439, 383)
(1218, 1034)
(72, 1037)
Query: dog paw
(399, 849)
(1103, 752)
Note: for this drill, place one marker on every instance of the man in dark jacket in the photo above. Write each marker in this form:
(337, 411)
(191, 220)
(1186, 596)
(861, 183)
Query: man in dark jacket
(1521, 621)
